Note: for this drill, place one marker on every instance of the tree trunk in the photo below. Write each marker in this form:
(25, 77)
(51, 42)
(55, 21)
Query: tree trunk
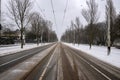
(109, 50)
(91, 35)
(37, 41)
(90, 45)
(22, 42)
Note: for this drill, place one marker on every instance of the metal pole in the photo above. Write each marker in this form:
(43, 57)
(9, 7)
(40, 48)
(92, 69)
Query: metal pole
(108, 31)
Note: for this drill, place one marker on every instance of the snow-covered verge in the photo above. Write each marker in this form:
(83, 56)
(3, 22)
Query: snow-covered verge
(100, 52)
(17, 48)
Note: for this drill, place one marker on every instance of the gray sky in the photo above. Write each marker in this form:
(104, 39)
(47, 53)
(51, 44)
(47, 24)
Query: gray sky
(73, 11)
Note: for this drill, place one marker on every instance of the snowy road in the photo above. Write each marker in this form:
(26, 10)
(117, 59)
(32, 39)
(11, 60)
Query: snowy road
(100, 52)
(10, 49)
(10, 60)
(61, 62)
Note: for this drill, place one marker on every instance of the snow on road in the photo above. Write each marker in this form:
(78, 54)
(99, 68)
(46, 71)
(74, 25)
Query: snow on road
(100, 52)
(16, 48)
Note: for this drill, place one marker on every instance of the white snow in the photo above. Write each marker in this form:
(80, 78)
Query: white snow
(17, 71)
(100, 52)
(16, 48)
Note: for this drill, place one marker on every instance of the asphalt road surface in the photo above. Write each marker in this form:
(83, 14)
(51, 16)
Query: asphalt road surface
(59, 62)
(10, 60)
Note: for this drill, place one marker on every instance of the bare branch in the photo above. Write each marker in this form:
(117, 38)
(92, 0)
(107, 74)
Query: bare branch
(91, 14)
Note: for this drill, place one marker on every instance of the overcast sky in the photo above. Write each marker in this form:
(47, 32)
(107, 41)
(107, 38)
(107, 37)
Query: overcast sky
(73, 10)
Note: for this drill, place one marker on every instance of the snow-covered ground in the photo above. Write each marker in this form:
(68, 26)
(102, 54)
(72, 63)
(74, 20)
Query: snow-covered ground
(16, 48)
(100, 52)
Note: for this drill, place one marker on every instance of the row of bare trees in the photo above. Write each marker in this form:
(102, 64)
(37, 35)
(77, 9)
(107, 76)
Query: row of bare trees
(94, 32)
(72, 34)
(30, 24)
(20, 12)
(81, 34)
(40, 29)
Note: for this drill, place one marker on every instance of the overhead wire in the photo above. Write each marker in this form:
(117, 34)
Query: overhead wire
(65, 10)
(54, 13)
(40, 9)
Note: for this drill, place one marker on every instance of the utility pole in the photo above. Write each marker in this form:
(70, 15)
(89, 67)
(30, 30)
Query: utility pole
(108, 31)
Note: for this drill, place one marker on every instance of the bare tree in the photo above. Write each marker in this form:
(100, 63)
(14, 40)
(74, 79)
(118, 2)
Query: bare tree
(19, 12)
(117, 26)
(110, 18)
(37, 24)
(42, 31)
(78, 25)
(41, 27)
(91, 16)
(49, 24)
(73, 29)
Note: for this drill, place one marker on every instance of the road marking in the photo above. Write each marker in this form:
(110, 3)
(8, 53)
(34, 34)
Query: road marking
(60, 71)
(95, 68)
(44, 71)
